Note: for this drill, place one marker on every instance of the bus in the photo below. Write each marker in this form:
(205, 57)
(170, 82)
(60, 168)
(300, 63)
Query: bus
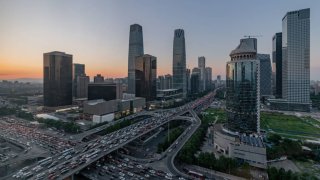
(67, 150)
(196, 175)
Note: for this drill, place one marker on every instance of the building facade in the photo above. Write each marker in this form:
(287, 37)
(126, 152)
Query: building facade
(57, 79)
(195, 83)
(135, 49)
(146, 77)
(208, 78)
(296, 60)
(243, 88)
(277, 64)
(78, 70)
(179, 80)
(168, 81)
(265, 75)
(104, 91)
(82, 86)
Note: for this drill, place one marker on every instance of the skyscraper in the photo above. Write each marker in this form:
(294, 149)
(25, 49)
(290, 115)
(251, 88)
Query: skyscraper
(146, 77)
(188, 76)
(78, 70)
(202, 67)
(179, 62)
(296, 60)
(208, 78)
(168, 81)
(161, 84)
(135, 49)
(265, 74)
(82, 86)
(243, 88)
(195, 83)
(277, 64)
(57, 79)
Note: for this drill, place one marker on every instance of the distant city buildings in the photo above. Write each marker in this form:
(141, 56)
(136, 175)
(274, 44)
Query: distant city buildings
(98, 79)
(243, 88)
(135, 49)
(265, 75)
(295, 62)
(146, 77)
(57, 79)
(82, 86)
(277, 64)
(179, 62)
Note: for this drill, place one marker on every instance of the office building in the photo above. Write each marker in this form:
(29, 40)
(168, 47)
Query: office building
(296, 60)
(179, 80)
(168, 81)
(104, 91)
(277, 64)
(161, 83)
(208, 78)
(243, 88)
(146, 77)
(82, 86)
(78, 70)
(265, 75)
(57, 79)
(135, 49)
(98, 79)
(188, 76)
(195, 83)
(202, 67)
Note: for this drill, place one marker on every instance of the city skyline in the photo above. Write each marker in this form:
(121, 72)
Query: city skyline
(100, 39)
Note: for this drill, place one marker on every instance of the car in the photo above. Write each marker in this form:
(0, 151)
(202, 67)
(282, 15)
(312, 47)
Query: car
(147, 175)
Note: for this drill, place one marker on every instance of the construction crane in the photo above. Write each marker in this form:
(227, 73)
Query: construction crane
(250, 36)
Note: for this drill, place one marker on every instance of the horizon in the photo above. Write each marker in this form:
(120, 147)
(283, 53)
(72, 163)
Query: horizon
(101, 37)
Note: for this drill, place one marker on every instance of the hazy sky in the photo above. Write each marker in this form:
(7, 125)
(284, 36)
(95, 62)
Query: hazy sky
(97, 32)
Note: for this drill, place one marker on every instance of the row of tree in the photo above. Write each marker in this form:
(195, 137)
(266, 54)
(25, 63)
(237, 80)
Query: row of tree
(69, 127)
(276, 174)
(173, 135)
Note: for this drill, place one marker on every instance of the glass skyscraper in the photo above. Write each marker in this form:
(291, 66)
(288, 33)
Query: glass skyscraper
(202, 67)
(179, 62)
(78, 70)
(146, 77)
(265, 74)
(277, 64)
(243, 88)
(296, 60)
(57, 79)
(135, 50)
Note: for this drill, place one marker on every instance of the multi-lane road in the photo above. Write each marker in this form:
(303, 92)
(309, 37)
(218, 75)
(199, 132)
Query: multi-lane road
(68, 163)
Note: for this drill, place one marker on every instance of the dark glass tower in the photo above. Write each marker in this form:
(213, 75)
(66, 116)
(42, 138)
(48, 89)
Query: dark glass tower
(277, 64)
(135, 50)
(146, 77)
(179, 62)
(243, 88)
(57, 79)
(78, 70)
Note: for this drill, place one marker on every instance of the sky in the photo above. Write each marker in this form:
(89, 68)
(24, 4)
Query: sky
(96, 32)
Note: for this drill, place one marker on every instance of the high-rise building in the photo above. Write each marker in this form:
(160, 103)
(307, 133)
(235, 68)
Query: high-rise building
(243, 88)
(161, 84)
(202, 67)
(196, 70)
(57, 79)
(146, 77)
(179, 62)
(188, 81)
(195, 83)
(135, 49)
(104, 91)
(168, 81)
(82, 86)
(98, 79)
(265, 75)
(78, 70)
(277, 64)
(208, 78)
(296, 60)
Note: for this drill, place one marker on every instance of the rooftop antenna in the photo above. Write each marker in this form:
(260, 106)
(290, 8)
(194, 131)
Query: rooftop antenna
(251, 36)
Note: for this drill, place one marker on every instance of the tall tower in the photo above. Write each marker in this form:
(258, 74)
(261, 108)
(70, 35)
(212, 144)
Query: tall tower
(179, 62)
(296, 59)
(243, 88)
(277, 64)
(57, 79)
(78, 70)
(135, 50)
(202, 67)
